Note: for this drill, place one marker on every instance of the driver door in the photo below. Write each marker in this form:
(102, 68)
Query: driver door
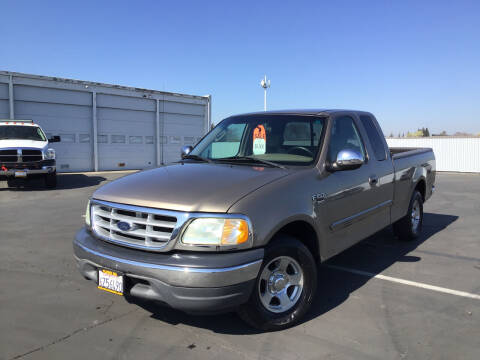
(344, 212)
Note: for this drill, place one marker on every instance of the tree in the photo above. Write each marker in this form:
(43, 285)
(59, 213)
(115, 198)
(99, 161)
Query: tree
(391, 134)
(418, 133)
(426, 133)
(443, 133)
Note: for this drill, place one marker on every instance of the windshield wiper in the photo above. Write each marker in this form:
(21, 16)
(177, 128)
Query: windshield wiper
(251, 159)
(197, 158)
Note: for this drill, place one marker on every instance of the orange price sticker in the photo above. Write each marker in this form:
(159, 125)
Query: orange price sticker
(259, 140)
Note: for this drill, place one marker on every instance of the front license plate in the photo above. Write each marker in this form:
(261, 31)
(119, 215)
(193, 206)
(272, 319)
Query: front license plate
(110, 281)
(20, 174)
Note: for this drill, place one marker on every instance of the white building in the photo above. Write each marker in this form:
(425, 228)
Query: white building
(103, 126)
(459, 154)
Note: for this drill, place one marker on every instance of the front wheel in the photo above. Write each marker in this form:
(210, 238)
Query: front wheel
(51, 180)
(11, 182)
(285, 286)
(410, 226)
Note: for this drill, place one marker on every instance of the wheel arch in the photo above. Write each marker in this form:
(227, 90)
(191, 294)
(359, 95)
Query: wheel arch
(302, 229)
(421, 187)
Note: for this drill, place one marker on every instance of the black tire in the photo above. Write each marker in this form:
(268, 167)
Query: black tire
(256, 314)
(12, 182)
(51, 180)
(407, 229)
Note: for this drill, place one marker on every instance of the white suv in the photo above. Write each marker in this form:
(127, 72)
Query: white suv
(25, 152)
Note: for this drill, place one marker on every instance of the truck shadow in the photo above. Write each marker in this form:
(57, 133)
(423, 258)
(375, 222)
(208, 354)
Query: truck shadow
(372, 255)
(76, 181)
(64, 182)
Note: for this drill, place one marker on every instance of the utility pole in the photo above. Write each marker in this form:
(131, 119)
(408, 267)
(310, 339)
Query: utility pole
(265, 84)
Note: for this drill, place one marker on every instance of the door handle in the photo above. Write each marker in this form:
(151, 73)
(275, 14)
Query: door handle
(373, 180)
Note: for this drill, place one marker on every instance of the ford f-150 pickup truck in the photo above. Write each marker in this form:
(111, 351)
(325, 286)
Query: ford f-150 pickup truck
(24, 152)
(242, 221)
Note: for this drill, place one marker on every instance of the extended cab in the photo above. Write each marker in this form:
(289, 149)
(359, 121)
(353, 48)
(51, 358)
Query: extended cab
(242, 221)
(25, 152)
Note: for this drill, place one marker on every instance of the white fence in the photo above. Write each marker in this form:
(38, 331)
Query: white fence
(452, 154)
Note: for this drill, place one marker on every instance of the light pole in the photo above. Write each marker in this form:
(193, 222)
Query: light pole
(265, 84)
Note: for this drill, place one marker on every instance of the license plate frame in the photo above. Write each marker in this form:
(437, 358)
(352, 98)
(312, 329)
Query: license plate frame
(111, 281)
(20, 174)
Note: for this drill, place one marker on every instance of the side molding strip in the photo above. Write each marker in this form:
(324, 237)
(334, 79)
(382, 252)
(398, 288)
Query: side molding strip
(343, 223)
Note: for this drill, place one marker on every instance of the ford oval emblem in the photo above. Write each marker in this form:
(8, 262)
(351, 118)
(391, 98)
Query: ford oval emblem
(124, 226)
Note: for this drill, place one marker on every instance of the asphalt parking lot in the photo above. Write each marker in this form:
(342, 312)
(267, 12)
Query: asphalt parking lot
(381, 299)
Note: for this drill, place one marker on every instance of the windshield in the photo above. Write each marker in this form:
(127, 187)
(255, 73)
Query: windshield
(21, 132)
(280, 139)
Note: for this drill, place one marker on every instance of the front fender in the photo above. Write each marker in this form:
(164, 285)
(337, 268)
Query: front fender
(273, 206)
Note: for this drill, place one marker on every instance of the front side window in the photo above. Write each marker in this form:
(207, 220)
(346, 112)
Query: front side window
(282, 139)
(344, 136)
(19, 132)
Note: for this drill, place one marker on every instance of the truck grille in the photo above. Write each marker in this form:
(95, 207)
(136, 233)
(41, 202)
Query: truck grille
(31, 155)
(132, 226)
(20, 155)
(8, 156)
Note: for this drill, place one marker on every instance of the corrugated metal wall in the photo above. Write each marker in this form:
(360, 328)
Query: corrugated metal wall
(103, 126)
(452, 154)
(125, 126)
(59, 112)
(4, 106)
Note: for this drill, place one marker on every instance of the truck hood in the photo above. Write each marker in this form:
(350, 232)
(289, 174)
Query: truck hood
(189, 187)
(15, 143)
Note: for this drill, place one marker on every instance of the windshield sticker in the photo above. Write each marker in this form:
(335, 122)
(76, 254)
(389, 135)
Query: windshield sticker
(259, 140)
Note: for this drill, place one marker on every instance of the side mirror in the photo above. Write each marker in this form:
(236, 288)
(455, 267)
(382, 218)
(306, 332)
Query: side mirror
(186, 150)
(347, 159)
(54, 139)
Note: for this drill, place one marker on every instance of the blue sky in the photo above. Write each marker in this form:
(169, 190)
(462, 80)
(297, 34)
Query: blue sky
(411, 63)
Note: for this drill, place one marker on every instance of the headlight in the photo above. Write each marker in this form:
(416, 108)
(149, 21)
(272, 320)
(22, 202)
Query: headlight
(217, 232)
(50, 154)
(87, 215)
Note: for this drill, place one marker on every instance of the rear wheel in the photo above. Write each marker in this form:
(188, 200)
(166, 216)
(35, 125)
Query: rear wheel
(51, 180)
(410, 226)
(285, 286)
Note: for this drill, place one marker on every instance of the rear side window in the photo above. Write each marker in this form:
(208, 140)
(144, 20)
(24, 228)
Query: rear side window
(375, 137)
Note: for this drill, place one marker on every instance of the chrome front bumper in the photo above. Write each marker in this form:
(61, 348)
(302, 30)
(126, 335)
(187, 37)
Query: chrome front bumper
(193, 282)
(172, 275)
(43, 170)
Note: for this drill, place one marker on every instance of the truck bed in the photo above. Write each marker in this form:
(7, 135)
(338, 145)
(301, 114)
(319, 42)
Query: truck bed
(401, 152)
(409, 164)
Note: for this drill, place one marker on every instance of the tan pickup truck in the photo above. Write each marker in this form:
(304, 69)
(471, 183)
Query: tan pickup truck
(242, 221)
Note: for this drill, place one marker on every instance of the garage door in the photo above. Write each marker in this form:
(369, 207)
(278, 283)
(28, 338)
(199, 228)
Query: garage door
(60, 112)
(4, 106)
(126, 132)
(184, 123)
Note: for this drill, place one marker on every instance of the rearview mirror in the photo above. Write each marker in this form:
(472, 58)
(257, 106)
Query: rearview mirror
(54, 139)
(348, 159)
(186, 150)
